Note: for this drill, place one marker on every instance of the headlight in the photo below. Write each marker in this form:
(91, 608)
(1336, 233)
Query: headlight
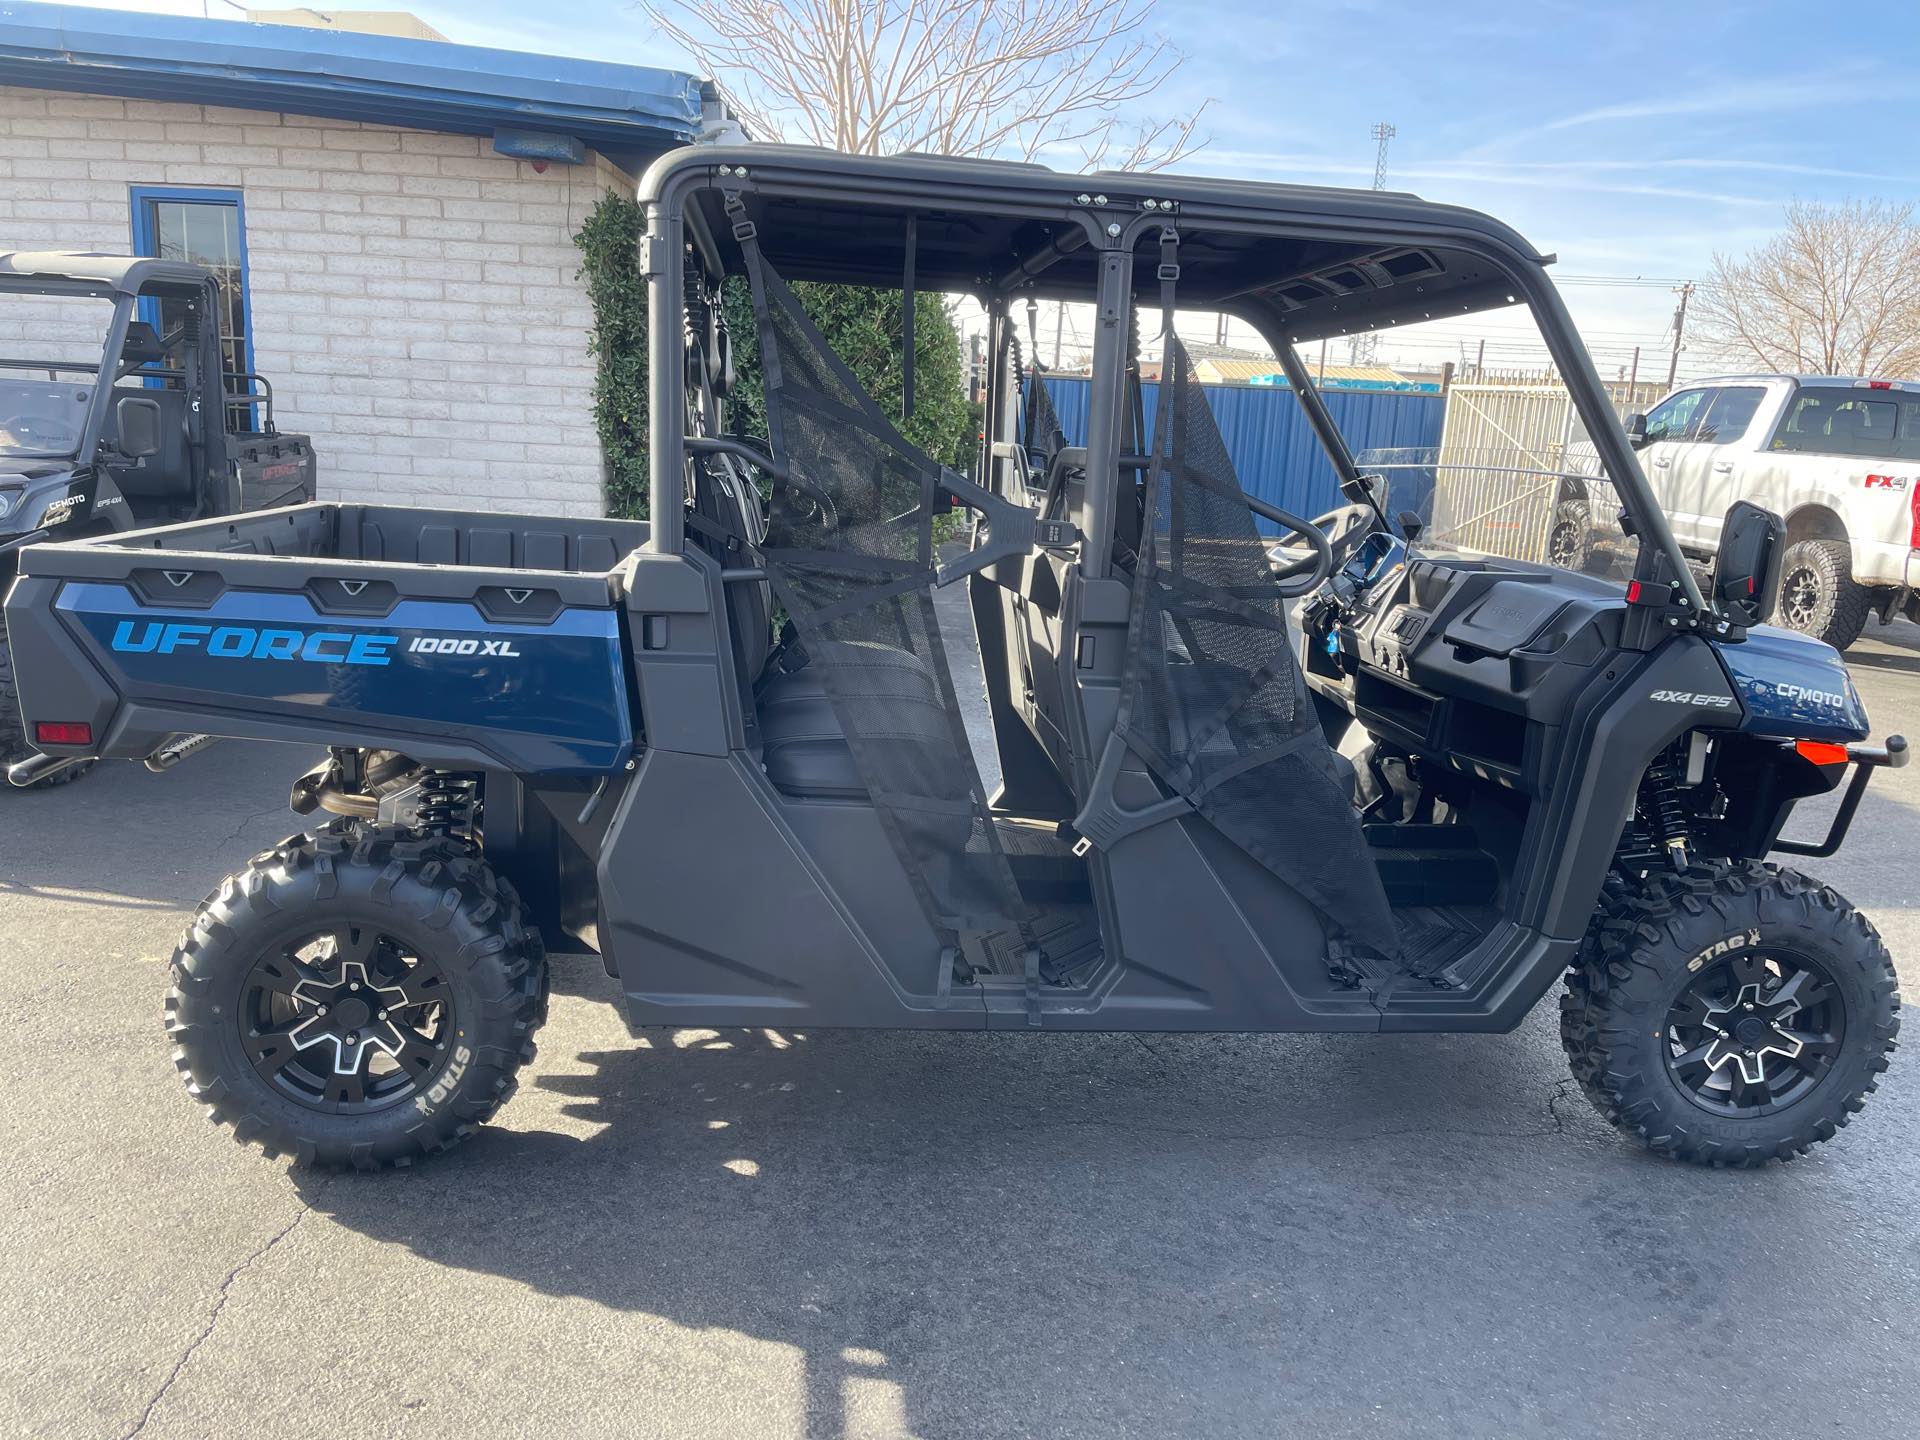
(9, 502)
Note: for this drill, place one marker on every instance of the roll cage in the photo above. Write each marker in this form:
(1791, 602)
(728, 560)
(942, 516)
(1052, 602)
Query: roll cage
(1297, 263)
(124, 281)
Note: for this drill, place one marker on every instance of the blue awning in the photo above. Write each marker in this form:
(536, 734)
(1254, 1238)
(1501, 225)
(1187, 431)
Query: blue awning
(628, 112)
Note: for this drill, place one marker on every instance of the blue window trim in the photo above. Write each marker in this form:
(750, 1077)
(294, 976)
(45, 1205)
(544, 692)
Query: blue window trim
(145, 242)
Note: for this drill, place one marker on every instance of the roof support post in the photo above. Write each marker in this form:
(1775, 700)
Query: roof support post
(906, 320)
(1105, 403)
(660, 260)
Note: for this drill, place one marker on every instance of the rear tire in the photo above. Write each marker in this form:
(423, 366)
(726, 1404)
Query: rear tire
(357, 998)
(1818, 594)
(1667, 1062)
(13, 736)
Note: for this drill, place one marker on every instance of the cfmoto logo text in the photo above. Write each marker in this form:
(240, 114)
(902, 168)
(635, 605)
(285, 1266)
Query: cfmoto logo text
(1812, 697)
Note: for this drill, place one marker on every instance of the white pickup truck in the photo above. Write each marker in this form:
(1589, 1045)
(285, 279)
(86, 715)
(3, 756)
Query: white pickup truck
(1838, 458)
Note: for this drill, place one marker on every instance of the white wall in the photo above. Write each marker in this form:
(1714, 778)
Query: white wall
(415, 300)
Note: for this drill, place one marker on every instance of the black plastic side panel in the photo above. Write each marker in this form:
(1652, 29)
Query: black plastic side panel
(717, 912)
(1212, 941)
(1614, 730)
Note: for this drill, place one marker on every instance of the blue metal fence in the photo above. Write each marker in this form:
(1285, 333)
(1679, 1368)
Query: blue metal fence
(1272, 446)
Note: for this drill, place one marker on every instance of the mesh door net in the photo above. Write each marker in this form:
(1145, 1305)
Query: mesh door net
(1212, 700)
(853, 565)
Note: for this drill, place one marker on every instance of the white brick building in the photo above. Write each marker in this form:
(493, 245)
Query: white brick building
(410, 290)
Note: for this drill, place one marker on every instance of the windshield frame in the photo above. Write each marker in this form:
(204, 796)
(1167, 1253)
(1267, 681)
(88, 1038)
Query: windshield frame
(111, 345)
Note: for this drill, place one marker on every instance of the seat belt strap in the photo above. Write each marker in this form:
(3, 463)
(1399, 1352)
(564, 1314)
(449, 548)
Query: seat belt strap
(1169, 278)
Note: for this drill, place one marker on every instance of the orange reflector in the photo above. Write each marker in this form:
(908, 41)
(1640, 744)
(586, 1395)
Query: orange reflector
(63, 732)
(1822, 752)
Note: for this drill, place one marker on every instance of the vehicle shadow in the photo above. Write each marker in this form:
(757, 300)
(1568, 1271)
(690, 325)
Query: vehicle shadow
(1071, 1234)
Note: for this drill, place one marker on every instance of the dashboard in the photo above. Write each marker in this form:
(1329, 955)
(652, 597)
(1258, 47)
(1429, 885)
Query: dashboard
(1470, 662)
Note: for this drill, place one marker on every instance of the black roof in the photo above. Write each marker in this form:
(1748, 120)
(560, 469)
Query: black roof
(1317, 259)
(127, 274)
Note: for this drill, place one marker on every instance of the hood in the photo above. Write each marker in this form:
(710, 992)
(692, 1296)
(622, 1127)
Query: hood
(1794, 687)
(25, 488)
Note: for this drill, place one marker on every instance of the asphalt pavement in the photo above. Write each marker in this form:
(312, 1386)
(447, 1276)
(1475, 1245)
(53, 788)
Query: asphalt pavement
(849, 1234)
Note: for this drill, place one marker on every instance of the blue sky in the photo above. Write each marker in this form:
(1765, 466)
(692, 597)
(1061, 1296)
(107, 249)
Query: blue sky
(1633, 138)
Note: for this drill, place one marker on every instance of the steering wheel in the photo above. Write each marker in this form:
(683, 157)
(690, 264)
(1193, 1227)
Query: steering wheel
(46, 429)
(818, 501)
(1342, 529)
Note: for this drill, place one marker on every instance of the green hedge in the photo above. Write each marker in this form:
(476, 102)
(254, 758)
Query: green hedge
(863, 326)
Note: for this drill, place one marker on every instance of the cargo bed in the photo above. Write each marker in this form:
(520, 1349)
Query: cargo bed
(480, 639)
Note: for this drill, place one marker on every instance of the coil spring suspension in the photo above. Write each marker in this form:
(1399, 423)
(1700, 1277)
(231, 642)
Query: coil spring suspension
(1660, 814)
(449, 803)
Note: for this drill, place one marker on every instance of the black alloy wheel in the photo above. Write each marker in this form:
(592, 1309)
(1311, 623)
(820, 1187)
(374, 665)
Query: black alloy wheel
(347, 1021)
(1753, 1031)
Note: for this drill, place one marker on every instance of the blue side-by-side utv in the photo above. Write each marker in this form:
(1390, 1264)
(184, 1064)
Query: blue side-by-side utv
(1408, 778)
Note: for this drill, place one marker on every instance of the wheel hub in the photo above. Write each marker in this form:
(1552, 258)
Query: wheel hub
(1748, 1031)
(1799, 596)
(351, 1014)
(1751, 1032)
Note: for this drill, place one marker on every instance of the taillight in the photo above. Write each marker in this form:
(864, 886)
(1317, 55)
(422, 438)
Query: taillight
(1913, 504)
(63, 732)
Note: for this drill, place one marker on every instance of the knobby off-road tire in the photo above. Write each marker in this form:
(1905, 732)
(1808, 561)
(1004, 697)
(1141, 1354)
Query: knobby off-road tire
(1818, 594)
(1632, 997)
(13, 738)
(332, 919)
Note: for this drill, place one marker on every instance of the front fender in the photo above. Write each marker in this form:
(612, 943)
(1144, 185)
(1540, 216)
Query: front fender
(1629, 713)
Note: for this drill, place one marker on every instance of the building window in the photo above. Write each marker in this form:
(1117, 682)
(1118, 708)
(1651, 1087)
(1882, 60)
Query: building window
(207, 227)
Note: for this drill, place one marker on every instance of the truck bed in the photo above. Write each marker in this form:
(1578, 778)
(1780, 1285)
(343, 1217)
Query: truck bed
(493, 641)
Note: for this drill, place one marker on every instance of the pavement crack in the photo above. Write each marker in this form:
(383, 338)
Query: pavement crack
(213, 1320)
(1554, 1097)
(245, 821)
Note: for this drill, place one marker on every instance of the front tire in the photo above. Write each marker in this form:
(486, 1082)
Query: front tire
(1818, 594)
(1733, 1015)
(356, 998)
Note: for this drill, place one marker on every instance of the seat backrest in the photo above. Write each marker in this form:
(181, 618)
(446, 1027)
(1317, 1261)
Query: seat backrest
(167, 476)
(730, 525)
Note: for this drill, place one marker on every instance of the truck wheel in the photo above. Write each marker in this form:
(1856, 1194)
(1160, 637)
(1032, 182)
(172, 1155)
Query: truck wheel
(1570, 541)
(356, 998)
(1818, 594)
(13, 739)
(1729, 1016)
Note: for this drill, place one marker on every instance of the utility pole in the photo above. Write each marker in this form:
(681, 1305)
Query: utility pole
(1382, 133)
(1365, 349)
(1679, 329)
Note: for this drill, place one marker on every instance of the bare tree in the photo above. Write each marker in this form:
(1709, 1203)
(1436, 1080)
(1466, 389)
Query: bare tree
(956, 77)
(1837, 292)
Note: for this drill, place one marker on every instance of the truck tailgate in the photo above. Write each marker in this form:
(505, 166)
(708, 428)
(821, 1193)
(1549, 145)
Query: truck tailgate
(462, 665)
